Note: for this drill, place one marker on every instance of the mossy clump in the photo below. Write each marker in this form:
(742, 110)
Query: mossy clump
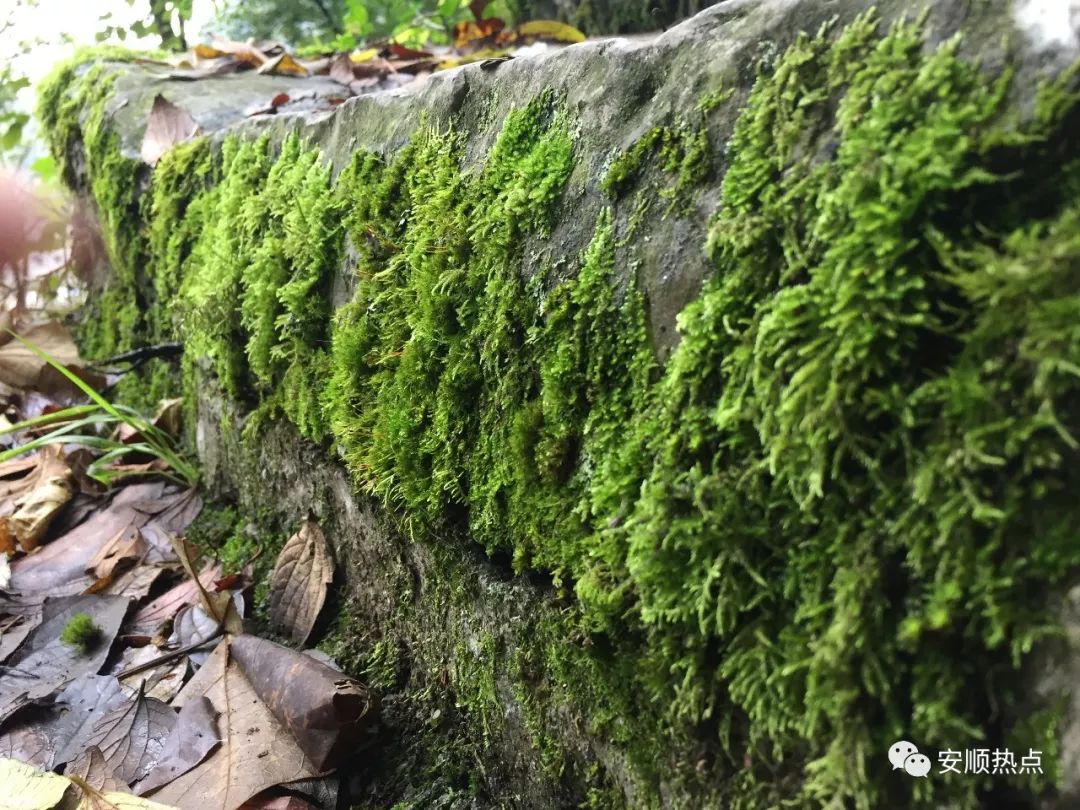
(73, 109)
(684, 151)
(81, 632)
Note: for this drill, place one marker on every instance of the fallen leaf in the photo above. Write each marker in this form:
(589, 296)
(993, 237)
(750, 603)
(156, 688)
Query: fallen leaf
(359, 57)
(218, 606)
(298, 585)
(150, 618)
(256, 753)
(341, 69)
(132, 737)
(59, 567)
(124, 550)
(43, 664)
(15, 628)
(259, 108)
(194, 737)
(25, 741)
(49, 736)
(90, 766)
(166, 418)
(27, 788)
(203, 51)
(36, 512)
(48, 489)
(283, 65)
(20, 366)
(326, 712)
(401, 52)
(466, 33)
(5, 569)
(115, 800)
(135, 583)
(167, 126)
(244, 52)
(217, 67)
(82, 702)
(192, 625)
(550, 30)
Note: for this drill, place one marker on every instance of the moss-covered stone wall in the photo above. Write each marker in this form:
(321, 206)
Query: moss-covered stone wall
(830, 519)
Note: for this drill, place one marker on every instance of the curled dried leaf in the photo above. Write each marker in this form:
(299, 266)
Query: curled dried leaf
(302, 574)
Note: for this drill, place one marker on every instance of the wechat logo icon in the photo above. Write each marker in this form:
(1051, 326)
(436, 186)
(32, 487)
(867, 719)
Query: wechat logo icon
(905, 756)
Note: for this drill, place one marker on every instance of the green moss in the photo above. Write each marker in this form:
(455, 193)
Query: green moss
(81, 632)
(683, 151)
(73, 109)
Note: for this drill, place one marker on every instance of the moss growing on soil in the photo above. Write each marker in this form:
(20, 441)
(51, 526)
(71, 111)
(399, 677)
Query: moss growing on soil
(828, 522)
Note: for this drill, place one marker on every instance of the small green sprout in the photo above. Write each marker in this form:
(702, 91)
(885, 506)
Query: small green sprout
(81, 632)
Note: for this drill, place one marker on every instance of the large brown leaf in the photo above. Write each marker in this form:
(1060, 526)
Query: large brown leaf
(256, 753)
(132, 737)
(20, 366)
(47, 736)
(167, 126)
(302, 574)
(43, 664)
(195, 736)
(326, 712)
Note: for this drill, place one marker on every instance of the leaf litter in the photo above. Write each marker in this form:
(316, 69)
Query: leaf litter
(164, 701)
(380, 65)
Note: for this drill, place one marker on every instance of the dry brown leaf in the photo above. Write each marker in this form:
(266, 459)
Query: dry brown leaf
(218, 606)
(256, 753)
(83, 702)
(90, 766)
(132, 737)
(195, 736)
(150, 618)
(207, 51)
(43, 664)
(167, 126)
(46, 492)
(302, 574)
(125, 549)
(469, 33)
(245, 52)
(20, 367)
(59, 567)
(341, 69)
(163, 682)
(283, 65)
(327, 713)
(48, 736)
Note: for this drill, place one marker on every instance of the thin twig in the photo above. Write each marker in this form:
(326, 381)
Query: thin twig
(169, 656)
(136, 357)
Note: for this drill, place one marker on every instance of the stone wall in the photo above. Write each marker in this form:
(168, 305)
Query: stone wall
(692, 417)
